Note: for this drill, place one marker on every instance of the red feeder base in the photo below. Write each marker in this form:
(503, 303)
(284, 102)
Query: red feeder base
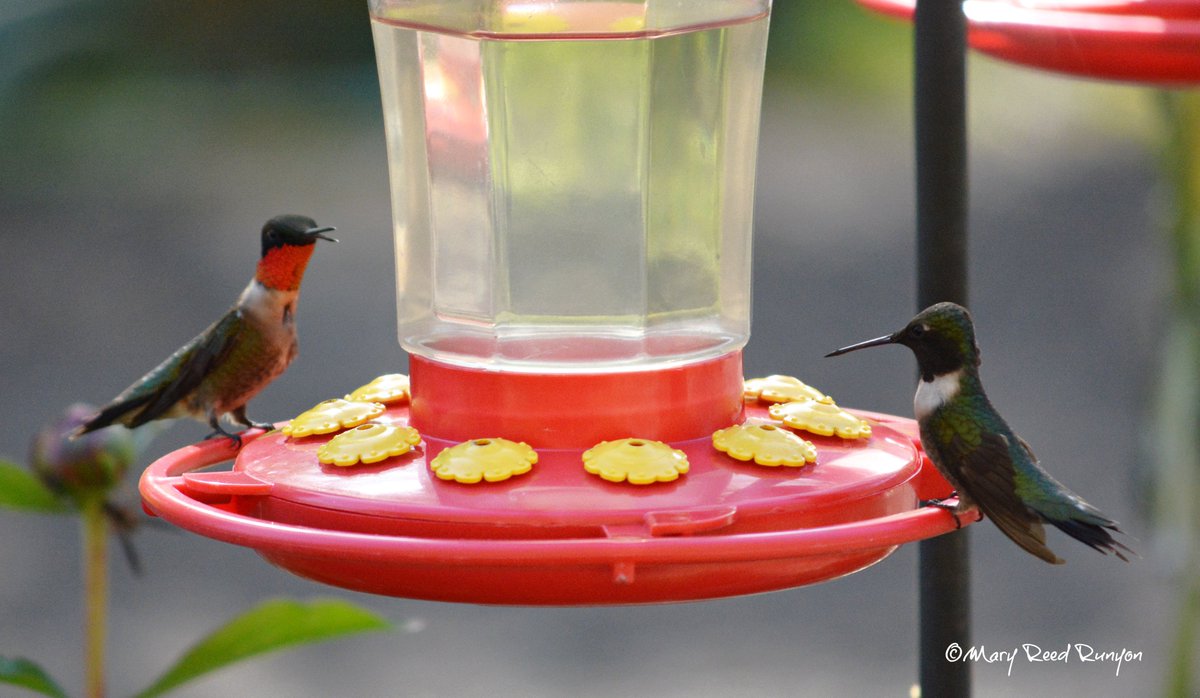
(558, 535)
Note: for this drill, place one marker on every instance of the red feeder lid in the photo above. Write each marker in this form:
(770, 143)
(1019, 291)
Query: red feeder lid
(1149, 41)
(558, 535)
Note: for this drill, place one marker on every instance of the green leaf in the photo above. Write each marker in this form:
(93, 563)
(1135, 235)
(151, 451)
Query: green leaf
(272, 625)
(20, 489)
(19, 671)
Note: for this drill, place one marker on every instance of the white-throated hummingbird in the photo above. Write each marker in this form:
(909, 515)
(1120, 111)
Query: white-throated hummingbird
(221, 369)
(975, 450)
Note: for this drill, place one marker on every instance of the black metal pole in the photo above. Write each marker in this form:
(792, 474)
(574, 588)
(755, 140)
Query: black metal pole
(941, 163)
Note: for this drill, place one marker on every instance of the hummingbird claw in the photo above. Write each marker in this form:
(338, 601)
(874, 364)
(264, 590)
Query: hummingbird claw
(235, 439)
(239, 416)
(214, 421)
(953, 509)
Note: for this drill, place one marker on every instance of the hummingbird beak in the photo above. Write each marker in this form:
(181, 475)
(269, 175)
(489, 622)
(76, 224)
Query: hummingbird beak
(318, 233)
(877, 342)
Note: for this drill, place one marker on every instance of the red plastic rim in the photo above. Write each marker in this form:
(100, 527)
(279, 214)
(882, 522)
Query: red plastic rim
(1149, 41)
(160, 490)
(632, 562)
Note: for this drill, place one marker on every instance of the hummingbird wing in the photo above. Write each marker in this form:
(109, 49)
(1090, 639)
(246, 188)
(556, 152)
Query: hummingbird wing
(1064, 509)
(989, 478)
(157, 392)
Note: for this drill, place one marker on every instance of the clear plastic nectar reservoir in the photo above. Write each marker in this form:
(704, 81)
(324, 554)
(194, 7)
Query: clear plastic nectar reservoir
(572, 182)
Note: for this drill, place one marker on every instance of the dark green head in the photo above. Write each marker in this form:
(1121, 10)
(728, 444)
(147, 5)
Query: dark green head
(942, 336)
(291, 229)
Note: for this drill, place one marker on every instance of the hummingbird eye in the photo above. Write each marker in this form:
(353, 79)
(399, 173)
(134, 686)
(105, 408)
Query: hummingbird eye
(918, 330)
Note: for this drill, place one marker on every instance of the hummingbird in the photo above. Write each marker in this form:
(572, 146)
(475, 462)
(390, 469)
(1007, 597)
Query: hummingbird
(991, 468)
(226, 365)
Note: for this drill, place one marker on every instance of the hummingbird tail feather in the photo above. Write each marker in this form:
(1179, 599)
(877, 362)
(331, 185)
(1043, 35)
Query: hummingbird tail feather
(123, 523)
(116, 412)
(1095, 535)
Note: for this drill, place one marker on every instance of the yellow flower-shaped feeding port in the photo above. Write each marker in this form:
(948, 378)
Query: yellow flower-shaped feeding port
(392, 387)
(483, 459)
(331, 416)
(368, 443)
(821, 417)
(779, 389)
(765, 444)
(636, 461)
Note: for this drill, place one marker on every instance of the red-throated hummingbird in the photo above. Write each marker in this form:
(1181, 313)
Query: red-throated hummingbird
(221, 369)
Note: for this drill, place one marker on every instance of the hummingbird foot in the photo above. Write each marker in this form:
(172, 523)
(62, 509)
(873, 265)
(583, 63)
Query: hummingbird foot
(938, 502)
(214, 421)
(955, 510)
(235, 439)
(239, 416)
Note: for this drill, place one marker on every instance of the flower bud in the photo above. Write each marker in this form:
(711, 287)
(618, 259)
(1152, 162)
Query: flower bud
(85, 466)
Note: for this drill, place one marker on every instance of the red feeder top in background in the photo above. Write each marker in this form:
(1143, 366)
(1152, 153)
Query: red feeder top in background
(1145, 41)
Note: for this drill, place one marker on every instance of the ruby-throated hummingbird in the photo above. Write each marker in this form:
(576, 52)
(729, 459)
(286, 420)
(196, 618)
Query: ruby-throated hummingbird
(220, 370)
(990, 466)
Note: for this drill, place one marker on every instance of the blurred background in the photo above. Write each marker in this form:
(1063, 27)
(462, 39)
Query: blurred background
(143, 144)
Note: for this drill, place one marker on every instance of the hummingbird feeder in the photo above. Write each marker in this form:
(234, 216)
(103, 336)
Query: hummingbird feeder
(572, 194)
